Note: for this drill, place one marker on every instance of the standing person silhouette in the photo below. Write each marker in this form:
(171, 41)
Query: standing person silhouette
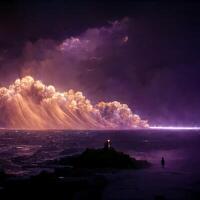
(107, 144)
(163, 162)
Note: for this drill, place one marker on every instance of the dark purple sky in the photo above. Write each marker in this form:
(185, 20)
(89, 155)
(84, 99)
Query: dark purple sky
(142, 53)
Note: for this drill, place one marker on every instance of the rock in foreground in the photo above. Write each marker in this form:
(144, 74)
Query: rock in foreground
(103, 158)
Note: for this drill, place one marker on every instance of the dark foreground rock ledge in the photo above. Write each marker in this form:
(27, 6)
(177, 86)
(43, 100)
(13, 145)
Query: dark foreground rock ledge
(104, 158)
(77, 177)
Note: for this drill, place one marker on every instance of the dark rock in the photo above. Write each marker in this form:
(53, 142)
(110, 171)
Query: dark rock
(103, 158)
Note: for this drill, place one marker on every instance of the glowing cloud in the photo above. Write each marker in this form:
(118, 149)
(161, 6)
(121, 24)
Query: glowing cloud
(29, 104)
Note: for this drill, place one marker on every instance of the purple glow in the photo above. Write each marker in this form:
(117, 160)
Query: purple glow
(175, 127)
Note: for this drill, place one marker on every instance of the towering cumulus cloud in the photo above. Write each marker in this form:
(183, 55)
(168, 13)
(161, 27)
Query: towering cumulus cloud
(29, 104)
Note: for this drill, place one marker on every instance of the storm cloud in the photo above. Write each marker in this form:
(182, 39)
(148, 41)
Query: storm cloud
(148, 62)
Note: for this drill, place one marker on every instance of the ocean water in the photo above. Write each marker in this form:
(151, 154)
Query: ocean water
(22, 152)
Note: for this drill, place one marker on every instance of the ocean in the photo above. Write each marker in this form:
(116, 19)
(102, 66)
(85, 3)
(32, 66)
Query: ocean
(23, 153)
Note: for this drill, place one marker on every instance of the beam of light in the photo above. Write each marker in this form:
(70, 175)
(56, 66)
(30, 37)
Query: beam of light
(29, 104)
(175, 127)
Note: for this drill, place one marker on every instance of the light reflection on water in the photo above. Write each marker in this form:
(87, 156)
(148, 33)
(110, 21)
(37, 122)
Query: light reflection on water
(22, 152)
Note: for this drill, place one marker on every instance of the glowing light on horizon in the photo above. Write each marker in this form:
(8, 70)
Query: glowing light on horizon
(175, 127)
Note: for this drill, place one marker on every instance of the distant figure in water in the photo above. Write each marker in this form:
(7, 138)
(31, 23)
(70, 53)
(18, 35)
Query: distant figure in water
(107, 144)
(163, 162)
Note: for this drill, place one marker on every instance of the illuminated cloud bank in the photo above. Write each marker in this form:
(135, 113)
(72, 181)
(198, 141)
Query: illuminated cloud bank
(29, 104)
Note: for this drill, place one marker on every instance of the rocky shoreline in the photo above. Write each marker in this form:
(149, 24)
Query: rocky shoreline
(82, 176)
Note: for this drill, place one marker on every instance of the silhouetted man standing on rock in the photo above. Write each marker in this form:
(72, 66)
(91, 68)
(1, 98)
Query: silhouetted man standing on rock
(107, 144)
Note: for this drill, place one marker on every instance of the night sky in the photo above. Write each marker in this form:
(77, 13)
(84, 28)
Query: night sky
(142, 53)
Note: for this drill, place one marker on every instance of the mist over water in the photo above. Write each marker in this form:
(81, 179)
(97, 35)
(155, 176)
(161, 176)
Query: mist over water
(29, 104)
